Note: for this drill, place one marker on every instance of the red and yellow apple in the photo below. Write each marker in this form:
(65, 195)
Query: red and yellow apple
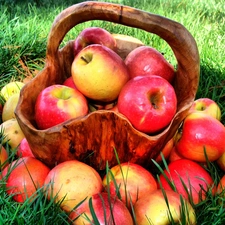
(131, 180)
(221, 162)
(145, 60)
(58, 103)
(149, 103)
(162, 208)
(24, 177)
(201, 133)
(24, 149)
(71, 182)
(99, 73)
(206, 105)
(108, 210)
(174, 155)
(221, 187)
(3, 157)
(94, 35)
(189, 179)
(12, 132)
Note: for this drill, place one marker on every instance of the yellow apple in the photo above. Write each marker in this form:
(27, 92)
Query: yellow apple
(11, 88)
(12, 132)
(153, 209)
(9, 107)
(71, 182)
(99, 73)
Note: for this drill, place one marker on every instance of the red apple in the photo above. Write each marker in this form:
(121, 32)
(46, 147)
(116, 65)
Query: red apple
(69, 82)
(149, 103)
(201, 133)
(58, 103)
(108, 210)
(221, 186)
(166, 151)
(132, 180)
(26, 176)
(145, 60)
(3, 157)
(23, 149)
(154, 209)
(208, 106)
(187, 176)
(174, 155)
(71, 182)
(99, 73)
(94, 35)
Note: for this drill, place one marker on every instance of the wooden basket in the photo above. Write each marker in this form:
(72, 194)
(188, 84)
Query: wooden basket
(93, 138)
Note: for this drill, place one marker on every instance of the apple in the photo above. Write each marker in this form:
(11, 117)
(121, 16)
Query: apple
(166, 151)
(154, 209)
(24, 177)
(11, 88)
(221, 186)
(206, 105)
(132, 180)
(9, 107)
(174, 155)
(69, 82)
(108, 210)
(24, 149)
(201, 133)
(58, 103)
(145, 60)
(149, 103)
(94, 35)
(221, 162)
(99, 73)
(3, 157)
(189, 179)
(71, 182)
(12, 133)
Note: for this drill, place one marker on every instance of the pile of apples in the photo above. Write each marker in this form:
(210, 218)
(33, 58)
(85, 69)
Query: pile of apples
(127, 193)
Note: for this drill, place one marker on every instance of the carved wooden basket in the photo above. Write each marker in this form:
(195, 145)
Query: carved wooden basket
(93, 138)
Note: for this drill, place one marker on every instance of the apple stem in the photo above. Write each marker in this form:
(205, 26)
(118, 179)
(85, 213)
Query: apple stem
(86, 59)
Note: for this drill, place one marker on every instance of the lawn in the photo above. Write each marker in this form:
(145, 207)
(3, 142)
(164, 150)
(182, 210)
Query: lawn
(25, 26)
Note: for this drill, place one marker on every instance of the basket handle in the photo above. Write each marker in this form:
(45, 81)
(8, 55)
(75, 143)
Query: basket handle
(176, 35)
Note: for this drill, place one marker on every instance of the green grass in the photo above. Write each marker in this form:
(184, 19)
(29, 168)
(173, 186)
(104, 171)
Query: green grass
(24, 29)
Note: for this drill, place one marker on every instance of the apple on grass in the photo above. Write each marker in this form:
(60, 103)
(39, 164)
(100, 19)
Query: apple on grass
(148, 102)
(131, 180)
(24, 149)
(11, 88)
(58, 103)
(10, 106)
(94, 35)
(201, 133)
(3, 157)
(99, 73)
(145, 60)
(163, 207)
(188, 178)
(107, 209)
(71, 182)
(24, 177)
(206, 105)
(12, 133)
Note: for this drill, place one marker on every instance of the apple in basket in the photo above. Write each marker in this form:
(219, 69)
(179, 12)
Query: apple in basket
(149, 103)
(94, 35)
(99, 73)
(58, 103)
(146, 60)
